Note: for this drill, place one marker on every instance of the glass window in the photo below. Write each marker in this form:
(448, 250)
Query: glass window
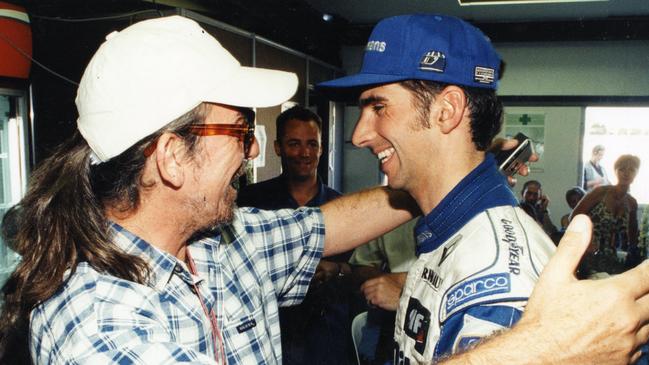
(12, 168)
(621, 130)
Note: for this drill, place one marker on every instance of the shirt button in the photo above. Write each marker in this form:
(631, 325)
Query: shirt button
(178, 269)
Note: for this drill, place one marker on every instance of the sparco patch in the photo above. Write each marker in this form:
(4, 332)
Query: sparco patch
(478, 288)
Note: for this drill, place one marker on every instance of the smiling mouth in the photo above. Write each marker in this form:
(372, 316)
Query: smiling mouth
(385, 155)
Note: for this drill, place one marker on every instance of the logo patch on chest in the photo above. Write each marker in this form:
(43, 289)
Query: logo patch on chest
(431, 278)
(417, 324)
(448, 248)
(516, 251)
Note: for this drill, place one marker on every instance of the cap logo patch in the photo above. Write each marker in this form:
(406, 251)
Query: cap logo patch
(433, 61)
(375, 46)
(484, 75)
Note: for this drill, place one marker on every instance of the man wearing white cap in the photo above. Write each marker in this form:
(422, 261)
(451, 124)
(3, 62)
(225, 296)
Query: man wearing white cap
(115, 268)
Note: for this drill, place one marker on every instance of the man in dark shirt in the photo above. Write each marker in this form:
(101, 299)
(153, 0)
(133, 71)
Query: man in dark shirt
(535, 204)
(299, 146)
(315, 331)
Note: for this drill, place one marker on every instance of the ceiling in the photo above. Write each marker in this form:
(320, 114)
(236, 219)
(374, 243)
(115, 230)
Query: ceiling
(599, 20)
(370, 11)
(299, 24)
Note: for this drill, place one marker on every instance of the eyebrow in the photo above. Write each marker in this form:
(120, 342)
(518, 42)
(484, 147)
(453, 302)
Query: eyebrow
(300, 140)
(370, 100)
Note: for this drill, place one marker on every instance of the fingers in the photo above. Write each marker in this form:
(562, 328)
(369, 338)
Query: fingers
(497, 145)
(524, 170)
(563, 264)
(534, 157)
(636, 281)
(642, 336)
(505, 144)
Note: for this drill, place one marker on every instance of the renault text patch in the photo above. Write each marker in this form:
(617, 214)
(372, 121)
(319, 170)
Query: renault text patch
(484, 75)
(477, 288)
(433, 61)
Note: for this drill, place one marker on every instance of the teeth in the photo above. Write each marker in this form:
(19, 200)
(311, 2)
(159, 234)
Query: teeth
(385, 154)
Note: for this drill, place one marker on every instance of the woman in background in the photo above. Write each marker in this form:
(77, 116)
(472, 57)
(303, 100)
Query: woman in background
(615, 226)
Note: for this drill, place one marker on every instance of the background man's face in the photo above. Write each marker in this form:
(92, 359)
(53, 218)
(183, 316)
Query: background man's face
(573, 200)
(299, 149)
(598, 156)
(532, 194)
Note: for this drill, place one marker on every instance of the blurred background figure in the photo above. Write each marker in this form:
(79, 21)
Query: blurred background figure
(535, 204)
(317, 331)
(615, 226)
(573, 197)
(594, 173)
(379, 270)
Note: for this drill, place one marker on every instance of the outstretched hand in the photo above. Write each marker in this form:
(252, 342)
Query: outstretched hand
(587, 321)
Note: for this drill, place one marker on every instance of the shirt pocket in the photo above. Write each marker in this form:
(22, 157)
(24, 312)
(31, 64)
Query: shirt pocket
(247, 334)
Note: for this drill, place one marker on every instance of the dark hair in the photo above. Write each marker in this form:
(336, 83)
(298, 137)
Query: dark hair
(60, 222)
(298, 113)
(575, 190)
(528, 183)
(485, 106)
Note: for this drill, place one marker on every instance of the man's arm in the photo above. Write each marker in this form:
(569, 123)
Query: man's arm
(588, 202)
(568, 321)
(354, 219)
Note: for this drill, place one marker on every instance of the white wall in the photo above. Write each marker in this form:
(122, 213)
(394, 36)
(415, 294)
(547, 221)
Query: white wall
(560, 160)
(584, 68)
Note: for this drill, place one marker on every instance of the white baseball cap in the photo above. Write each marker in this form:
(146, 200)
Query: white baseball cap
(147, 75)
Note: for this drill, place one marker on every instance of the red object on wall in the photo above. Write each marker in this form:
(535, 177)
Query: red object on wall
(15, 32)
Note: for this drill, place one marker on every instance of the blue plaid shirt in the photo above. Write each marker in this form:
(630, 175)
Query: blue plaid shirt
(262, 260)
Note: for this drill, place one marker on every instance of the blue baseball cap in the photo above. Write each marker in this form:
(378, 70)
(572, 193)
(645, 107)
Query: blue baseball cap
(424, 47)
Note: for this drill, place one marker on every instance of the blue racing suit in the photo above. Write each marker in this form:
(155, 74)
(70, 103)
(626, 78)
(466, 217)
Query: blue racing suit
(479, 256)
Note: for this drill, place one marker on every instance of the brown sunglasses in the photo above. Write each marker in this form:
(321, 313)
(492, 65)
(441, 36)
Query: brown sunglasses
(245, 133)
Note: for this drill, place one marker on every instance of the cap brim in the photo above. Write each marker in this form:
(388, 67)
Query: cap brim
(349, 87)
(255, 88)
(360, 80)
